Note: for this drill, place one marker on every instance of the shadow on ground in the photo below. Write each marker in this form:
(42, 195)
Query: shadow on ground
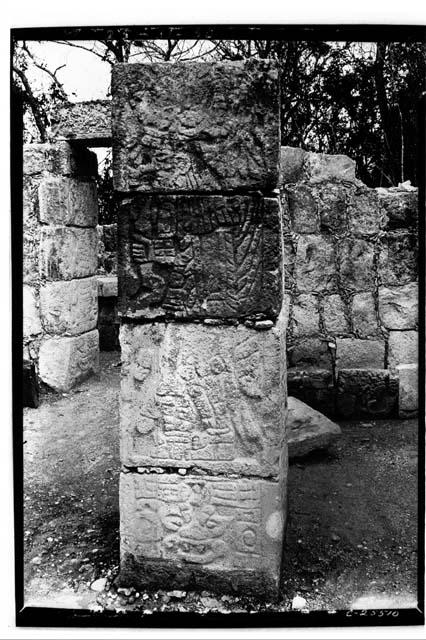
(351, 536)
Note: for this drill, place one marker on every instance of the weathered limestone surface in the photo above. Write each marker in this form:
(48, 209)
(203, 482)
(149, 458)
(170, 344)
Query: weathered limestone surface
(308, 429)
(211, 397)
(366, 392)
(408, 388)
(66, 201)
(197, 127)
(298, 165)
(199, 256)
(201, 531)
(403, 348)
(65, 361)
(352, 353)
(314, 386)
(68, 252)
(107, 286)
(357, 264)
(305, 315)
(314, 266)
(398, 258)
(310, 352)
(31, 316)
(88, 122)
(334, 314)
(364, 315)
(398, 306)
(60, 158)
(69, 307)
(400, 207)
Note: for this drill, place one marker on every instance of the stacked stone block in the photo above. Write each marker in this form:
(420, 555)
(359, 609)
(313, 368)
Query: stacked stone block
(351, 288)
(60, 262)
(203, 394)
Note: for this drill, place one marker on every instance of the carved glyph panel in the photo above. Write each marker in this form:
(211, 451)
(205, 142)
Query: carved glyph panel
(210, 522)
(211, 397)
(200, 256)
(195, 127)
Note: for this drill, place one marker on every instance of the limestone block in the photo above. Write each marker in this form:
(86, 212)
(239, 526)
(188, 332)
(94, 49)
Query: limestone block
(200, 256)
(403, 348)
(332, 207)
(352, 353)
(30, 230)
(210, 397)
(366, 392)
(303, 209)
(69, 307)
(400, 207)
(357, 264)
(398, 306)
(305, 315)
(308, 429)
(59, 158)
(310, 352)
(107, 286)
(364, 316)
(408, 388)
(321, 167)
(314, 266)
(334, 315)
(291, 165)
(31, 316)
(63, 362)
(365, 215)
(313, 386)
(196, 127)
(398, 258)
(216, 533)
(88, 122)
(67, 201)
(67, 253)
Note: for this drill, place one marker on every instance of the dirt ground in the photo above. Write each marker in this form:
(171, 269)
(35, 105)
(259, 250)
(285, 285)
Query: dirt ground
(351, 536)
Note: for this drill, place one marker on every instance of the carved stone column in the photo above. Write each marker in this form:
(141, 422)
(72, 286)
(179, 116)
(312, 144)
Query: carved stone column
(203, 396)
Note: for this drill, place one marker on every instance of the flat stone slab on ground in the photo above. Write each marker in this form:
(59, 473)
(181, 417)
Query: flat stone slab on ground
(68, 201)
(63, 362)
(210, 397)
(201, 532)
(200, 256)
(68, 252)
(196, 127)
(308, 429)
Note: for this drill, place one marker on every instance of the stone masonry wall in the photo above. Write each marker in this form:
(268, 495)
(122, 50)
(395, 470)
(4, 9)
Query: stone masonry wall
(203, 394)
(351, 288)
(60, 262)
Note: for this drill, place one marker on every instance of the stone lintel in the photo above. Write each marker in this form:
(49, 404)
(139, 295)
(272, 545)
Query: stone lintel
(86, 122)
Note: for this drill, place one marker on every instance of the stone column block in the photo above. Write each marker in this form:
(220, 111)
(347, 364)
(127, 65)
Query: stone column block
(202, 532)
(211, 397)
(408, 389)
(61, 158)
(32, 324)
(63, 362)
(67, 201)
(69, 307)
(200, 256)
(196, 127)
(68, 252)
